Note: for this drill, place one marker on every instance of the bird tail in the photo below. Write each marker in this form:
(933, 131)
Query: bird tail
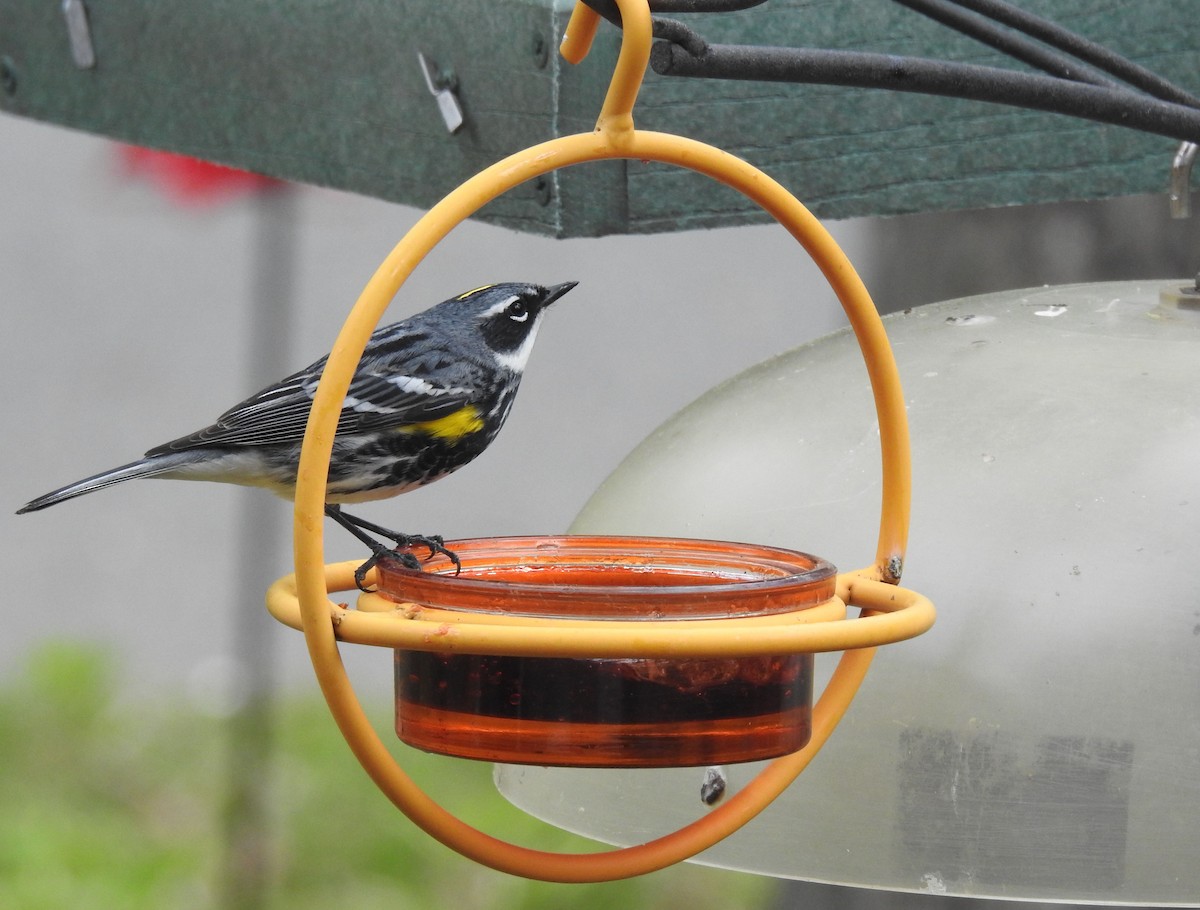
(146, 467)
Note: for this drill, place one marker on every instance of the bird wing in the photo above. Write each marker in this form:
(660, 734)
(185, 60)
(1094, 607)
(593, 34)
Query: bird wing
(278, 414)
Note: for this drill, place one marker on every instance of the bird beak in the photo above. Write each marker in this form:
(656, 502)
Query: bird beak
(553, 293)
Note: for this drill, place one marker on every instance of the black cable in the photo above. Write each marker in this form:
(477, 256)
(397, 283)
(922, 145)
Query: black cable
(1089, 51)
(677, 33)
(1070, 90)
(1118, 106)
(702, 6)
(951, 15)
(610, 11)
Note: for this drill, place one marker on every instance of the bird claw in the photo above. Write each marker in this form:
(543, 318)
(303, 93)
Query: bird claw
(405, 559)
(362, 529)
(434, 543)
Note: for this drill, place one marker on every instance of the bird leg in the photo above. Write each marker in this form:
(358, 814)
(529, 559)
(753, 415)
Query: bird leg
(433, 542)
(378, 550)
(359, 528)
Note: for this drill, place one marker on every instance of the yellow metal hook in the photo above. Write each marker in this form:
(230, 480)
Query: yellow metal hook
(581, 31)
(616, 115)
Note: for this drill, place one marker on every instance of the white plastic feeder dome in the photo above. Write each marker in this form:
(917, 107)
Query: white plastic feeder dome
(1043, 741)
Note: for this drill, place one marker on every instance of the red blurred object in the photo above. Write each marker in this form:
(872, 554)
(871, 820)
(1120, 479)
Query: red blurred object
(190, 181)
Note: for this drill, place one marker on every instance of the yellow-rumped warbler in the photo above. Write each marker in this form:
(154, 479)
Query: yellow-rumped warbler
(429, 395)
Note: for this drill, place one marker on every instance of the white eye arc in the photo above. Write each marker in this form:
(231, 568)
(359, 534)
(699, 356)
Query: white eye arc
(506, 307)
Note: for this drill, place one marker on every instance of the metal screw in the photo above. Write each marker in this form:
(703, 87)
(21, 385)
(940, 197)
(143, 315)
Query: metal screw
(541, 50)
(8, 76)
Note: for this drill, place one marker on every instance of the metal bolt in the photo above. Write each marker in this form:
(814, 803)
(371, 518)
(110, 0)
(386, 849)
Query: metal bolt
(541, 50)
(8, 75)
(447, 79)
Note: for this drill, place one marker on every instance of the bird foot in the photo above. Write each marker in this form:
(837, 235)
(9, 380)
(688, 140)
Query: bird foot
(362, 529)
(436, 544)
(403, 555)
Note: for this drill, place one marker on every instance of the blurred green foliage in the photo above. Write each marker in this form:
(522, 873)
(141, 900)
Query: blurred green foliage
(110, 803)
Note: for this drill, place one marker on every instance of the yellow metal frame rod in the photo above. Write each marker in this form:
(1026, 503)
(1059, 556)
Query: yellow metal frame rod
(896, 614)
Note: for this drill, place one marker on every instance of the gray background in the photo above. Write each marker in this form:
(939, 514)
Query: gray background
(129, 320)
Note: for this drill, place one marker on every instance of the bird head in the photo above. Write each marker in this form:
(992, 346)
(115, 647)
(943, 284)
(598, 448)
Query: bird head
(508, 316)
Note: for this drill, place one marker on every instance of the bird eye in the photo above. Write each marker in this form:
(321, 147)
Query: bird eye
(516, 311)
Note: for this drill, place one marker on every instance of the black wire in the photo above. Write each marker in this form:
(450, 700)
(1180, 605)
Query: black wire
(949, 14)
(677, 33)
(1070, 90)
(610, 11)
(1089, 51)
(1119, 106)
(702, 6)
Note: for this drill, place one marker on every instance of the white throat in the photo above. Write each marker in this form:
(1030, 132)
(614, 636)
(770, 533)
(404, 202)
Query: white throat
(516, 360)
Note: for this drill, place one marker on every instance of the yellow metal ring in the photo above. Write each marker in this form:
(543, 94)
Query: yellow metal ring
(895, 614)
(311, 583)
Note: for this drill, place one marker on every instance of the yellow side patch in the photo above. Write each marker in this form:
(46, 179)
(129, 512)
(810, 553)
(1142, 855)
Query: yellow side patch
(463, 422)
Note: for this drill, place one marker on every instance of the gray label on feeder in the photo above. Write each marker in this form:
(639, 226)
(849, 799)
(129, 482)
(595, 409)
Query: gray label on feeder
(977, 808)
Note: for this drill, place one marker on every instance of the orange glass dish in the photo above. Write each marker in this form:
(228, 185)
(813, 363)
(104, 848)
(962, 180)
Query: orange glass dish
(608, 712)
